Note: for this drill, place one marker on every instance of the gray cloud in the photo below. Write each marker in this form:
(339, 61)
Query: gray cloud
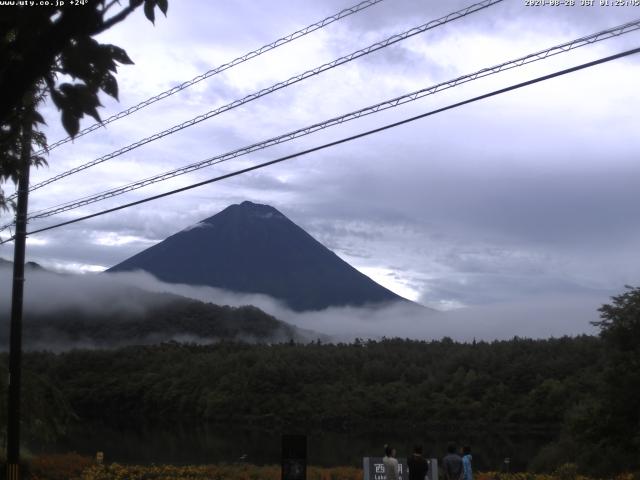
(532, 193)
(106, 301)
(536, 316)
(47, 292)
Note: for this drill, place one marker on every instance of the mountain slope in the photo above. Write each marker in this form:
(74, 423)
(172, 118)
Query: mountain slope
(254, 248)
(93, 310)
(156, 318)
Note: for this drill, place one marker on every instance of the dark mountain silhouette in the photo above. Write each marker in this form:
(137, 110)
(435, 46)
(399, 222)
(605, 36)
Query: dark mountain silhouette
(28, 265)
(254, 248)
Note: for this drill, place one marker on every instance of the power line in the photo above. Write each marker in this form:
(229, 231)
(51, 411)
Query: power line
(344, 140)
(261, 93)
(533, 57)
(214, 71)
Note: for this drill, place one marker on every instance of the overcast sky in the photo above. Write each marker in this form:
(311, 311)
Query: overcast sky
(528, 196)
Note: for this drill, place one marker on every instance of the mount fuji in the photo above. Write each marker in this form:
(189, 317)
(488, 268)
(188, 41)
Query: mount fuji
(253, 248)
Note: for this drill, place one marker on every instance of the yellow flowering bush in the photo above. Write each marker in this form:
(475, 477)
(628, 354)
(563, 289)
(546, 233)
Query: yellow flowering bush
(75, 467)
(541, 476)
(213, 472)
(66, 466)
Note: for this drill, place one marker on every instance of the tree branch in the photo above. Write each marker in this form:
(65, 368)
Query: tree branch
(118, 17)
(111, 4)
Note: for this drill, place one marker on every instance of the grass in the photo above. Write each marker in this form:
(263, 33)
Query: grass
(72, 466)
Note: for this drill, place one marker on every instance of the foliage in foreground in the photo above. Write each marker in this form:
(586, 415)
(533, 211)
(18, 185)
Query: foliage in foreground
(59, 467)
(49, 51)
(586, 387)
(517, 384)
(75, 467)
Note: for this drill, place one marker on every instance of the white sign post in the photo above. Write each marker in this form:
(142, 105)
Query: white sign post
(374, 469)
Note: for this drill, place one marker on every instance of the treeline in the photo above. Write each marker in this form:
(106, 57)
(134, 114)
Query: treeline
(515, 383)
(157, 318)
(518, 386)
(586, 388)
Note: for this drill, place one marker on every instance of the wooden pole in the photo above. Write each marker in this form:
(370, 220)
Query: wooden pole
(15, 345)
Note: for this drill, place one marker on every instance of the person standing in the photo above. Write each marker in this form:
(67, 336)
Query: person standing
(418, 465)
(466, 463)
(452, 464)
(390, 463)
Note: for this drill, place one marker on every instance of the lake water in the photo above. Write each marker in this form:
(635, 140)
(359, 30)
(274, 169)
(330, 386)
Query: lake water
(216, 444)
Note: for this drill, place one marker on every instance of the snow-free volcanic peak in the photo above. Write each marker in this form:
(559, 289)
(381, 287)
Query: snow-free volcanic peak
(253, 248)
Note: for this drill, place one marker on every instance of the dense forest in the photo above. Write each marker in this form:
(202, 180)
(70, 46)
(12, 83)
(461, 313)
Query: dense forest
(520, 382)
(585, 389)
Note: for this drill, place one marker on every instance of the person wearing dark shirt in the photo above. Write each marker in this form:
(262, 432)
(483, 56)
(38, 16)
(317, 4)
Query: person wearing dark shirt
(418, 466)
(452, 464)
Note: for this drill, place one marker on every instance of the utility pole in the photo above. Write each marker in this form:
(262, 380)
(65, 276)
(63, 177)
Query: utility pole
(15, 346)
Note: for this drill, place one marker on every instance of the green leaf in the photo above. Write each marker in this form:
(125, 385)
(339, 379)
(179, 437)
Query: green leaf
(148, 10)
(84, 99)
(70, 122)
(93, 111)
(78, 58)
(38, 161)
(40, 140)
(109, 85)
(163, 5)
(67, 90)
(37, 118)
(58, 100)
(119, 55)
(79, 99)
(103, 59)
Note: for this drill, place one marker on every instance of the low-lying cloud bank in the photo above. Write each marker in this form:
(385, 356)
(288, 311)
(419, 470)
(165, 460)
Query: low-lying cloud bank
(106, 311)
(539, 316)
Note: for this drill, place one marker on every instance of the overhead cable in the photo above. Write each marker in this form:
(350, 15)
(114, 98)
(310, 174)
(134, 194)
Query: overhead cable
(266, 91)
(387, 104)
(214, 71)
(343, 140)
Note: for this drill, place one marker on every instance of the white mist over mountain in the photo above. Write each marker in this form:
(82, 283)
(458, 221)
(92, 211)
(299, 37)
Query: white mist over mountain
(541, 317)
(545, 316)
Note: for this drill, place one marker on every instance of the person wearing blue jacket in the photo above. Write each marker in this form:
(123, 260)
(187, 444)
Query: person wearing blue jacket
(467, 473)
